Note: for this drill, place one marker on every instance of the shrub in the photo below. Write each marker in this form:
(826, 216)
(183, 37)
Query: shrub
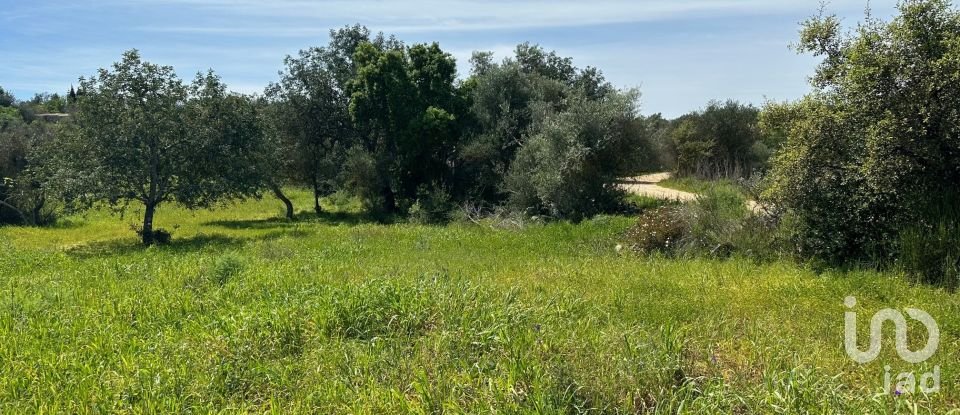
(715, 219)
(929, 249)
(433, 205)
(569, 168)
(160, 236)
(226, 267)
(361, 178)
(872, 144)
(932, 255)
(717, 224)
(657, 230)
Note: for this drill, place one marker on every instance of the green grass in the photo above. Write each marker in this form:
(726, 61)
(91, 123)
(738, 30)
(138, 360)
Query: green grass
(699, 186)
(642, 203)
(248, 313)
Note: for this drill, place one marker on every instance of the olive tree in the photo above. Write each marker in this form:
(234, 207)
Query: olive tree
(144, 136)
(570, 166)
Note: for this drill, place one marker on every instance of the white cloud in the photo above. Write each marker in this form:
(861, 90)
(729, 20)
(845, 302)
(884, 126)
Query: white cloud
(291, 18)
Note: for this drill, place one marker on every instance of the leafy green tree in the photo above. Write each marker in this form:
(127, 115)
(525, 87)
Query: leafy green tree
(307, 114)
(404, 102)
(506, 99)
(6, 99)
(878, 141)
(722, 140)
(570, 166)
(144, 136)
(24, 163)
(239, 160)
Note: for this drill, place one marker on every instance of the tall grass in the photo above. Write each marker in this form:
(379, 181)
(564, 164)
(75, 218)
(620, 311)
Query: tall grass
(245, 312)
(929, 249)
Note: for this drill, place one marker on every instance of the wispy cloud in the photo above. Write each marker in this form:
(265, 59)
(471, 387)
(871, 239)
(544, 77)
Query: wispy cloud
(680, 52)
(295, 18)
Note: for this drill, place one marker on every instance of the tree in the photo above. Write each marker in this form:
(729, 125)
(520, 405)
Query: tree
(6, 100)
(570, 166)
(722, 140)
(144, 136)
(879, 138)
(240, 160)
(404, 102)
(307, 115)
(505, 100)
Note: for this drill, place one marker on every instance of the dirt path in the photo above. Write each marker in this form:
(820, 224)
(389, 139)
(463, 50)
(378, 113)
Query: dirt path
(646, 185)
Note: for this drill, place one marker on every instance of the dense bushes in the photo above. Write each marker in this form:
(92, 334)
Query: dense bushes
(569, 167)
(878, 143)
(720, 141)
(717, 224)
(547, 138)
(24, 150)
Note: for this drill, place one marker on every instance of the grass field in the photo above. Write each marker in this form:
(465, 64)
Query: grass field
(247, 313)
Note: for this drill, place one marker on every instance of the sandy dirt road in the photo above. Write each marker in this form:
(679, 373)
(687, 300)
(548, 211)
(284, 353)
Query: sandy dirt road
(646, 185)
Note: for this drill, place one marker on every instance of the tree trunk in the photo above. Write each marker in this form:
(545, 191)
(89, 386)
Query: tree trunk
(316, 196)
(316, 201)
(278, 192)
(38, 211)
(147, 231)
(389, 200)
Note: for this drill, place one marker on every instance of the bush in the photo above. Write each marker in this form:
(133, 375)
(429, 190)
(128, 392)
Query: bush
(715, 219)
(932, 255)
(361, 178)
(717, 224)
(721, 141)
(929, 249)
(160, 236)
(872, 145)
(433, 205)
(570, 167)
(658, 230)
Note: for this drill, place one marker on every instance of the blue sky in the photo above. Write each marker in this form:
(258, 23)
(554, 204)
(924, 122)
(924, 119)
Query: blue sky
(680, 53)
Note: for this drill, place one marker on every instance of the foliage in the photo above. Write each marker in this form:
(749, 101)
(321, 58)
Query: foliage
(6, 99)
(433, 206)
(720, 141)
(307, 116)
(569, 167)
(25, 162)
(144, 136)
(717, 224)
(548, 137)
(405, 103)
(878, 140)
(929, 249)
(716, 221)
(661, 229)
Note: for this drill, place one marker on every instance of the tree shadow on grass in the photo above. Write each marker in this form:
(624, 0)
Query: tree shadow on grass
(198, 243)
(324, 218)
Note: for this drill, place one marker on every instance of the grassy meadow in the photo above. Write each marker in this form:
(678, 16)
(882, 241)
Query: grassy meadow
(245, 312)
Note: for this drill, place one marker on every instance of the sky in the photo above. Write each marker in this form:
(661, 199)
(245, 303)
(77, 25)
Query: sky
(680, 53)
